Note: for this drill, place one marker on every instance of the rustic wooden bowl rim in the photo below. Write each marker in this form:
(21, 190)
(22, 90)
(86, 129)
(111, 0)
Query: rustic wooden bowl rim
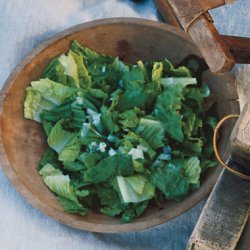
(33, 200)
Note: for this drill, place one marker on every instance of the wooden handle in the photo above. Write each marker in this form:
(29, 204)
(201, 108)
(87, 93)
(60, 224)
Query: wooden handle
(220, 52)
(239, 47)
(212, 47)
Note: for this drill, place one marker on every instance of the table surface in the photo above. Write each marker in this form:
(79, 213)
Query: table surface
(24, 24)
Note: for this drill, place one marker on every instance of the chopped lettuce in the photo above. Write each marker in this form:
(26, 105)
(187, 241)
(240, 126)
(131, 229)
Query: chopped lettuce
(152, 132)
(135, 188)
(60, 185)
(35, 104)
(120, 135)
(52, 91)
(192, 169)
(58, 137)
(157, 71)
(171, 181)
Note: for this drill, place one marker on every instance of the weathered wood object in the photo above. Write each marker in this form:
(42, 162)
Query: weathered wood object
(22, 141)
(228, 207)
(240, 139)
(224, 216)
(220, 52)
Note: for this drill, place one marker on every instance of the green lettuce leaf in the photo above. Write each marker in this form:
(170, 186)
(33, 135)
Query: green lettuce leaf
(90, 135)
(58, 137)
(89, 56)
(129, 118)
(184, 81)
(192, 169)
(49, 170)
(84, 78)
(157, 71)
(60, 185)
(167, 111)
(136, 97)
(71, 150)
(73, 166)
(63, 69)
(134, 210)
(108, 120)
(35, 104)
(70, 206)
(70, 69)
(109, 167)
(49, 156)
(152, 132)
(182, 71)
(52, 91)
(133, 78)
(135, 188)
(171, 180)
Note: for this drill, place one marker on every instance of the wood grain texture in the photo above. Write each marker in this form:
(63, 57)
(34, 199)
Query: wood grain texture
(194, 18)
(231, 48)
(239, 47)
(167, 13)
(146, 40)
(240, 138)
(223, 217)
(189, 10)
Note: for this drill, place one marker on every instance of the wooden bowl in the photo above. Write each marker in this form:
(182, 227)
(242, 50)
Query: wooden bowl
(22, 141)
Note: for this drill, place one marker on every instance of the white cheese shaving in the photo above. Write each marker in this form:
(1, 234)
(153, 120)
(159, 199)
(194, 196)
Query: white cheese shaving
(102, 147)
(79, 100)
(112, 152)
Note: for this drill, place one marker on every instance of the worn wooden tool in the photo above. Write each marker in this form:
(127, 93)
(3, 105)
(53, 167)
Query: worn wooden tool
(224, 216)
(219, 51)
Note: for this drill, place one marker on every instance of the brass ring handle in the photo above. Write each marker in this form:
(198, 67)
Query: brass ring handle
(217, 155)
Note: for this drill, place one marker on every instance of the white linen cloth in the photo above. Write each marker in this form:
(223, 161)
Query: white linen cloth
(24, 24)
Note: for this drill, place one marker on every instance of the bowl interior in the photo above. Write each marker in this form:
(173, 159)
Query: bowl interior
(23, 141)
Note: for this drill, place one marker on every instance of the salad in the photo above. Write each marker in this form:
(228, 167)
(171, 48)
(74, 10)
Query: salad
(120, 136)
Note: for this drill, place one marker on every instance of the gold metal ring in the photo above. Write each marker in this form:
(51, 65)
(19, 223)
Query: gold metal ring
(217, 155)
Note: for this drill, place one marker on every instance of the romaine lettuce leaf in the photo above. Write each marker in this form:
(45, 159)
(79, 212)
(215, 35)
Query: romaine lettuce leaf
(136, 97)
(70, 70)
(49, 156)
(52, 91)
(157, 71)
(192, 169)
(58, 137)
(135, 188)
(109, 167)
(71, 150)
(49, 170)
(134, 210)
(35, 104)
(152, 132)
(129, 118)
(133, 78)
(184, 81)
(60, 185)
(70, 206)
(171, 181)
(167, 111)
(83, 78)
(90, 56)
(108, 120)
(64, 70)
